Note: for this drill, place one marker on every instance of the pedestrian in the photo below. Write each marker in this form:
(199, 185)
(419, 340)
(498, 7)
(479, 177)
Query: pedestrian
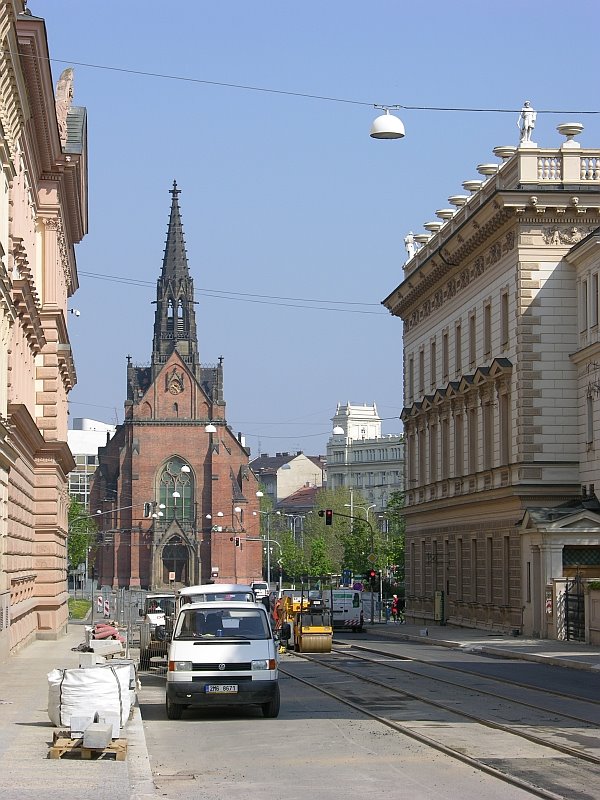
(395, 608)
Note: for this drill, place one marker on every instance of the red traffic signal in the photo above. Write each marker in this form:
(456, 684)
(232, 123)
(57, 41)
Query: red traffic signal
(328, 516)
(372, 574)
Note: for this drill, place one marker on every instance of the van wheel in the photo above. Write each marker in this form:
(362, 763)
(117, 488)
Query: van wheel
(174, 710)
(271, 709)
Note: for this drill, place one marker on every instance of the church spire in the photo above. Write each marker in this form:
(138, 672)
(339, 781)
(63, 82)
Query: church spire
(175, 319)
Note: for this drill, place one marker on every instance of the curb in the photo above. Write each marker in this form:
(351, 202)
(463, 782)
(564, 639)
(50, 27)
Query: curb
(552, 660)
(140, 772)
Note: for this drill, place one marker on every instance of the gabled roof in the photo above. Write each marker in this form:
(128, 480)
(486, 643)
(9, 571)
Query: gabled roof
(271, 464)
(579, 513)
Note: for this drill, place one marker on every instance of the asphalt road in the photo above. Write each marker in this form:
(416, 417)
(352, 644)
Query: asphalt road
(317, 748)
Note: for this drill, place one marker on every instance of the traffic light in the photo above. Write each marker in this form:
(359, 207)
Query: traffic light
(238, 541)
(373, 577)
(328, 516)
(147, 509)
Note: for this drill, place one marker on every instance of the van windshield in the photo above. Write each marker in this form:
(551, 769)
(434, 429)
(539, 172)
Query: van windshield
(222, 623)
(154, 605)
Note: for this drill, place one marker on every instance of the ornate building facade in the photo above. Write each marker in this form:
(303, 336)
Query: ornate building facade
(43, 213)
(176, 496)
(361, 459)
(500, 313)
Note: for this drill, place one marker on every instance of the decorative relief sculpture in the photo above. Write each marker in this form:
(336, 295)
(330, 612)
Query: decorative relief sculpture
(566, 235)
(456, 284)
(64, 100)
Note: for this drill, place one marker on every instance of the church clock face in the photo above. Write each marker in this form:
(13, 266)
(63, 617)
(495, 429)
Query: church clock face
(175, 386)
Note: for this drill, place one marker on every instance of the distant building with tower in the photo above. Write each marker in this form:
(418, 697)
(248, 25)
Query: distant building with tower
(361, 459)
(176, 496)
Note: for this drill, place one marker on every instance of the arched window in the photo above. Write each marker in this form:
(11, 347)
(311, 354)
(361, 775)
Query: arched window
(176, 490)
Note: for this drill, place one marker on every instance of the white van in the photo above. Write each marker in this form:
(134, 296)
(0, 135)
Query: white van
(222, 653)
(208, 592)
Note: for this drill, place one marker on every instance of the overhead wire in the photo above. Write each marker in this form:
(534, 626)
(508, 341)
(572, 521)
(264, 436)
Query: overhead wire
(277, 300)
(303, 95)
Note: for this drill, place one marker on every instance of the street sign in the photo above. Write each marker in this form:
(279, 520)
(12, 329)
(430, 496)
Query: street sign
(371, 558)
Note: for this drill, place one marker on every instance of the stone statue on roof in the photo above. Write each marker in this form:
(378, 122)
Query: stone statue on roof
(526, 122)
(64, 100)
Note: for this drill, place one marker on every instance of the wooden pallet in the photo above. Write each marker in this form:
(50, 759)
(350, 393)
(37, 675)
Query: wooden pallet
(64, 745)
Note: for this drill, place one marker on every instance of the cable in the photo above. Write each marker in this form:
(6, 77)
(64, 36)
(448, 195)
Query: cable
(305, 95)
(273, 300)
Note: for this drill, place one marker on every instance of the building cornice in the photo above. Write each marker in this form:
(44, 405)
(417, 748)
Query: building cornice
(560, 188)
(26, 299)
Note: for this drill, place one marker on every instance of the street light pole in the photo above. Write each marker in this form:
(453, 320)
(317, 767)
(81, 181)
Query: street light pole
(267, 514)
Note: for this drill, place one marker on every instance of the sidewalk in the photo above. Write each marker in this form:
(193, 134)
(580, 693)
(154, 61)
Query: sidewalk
(576, 655)
(26, 772)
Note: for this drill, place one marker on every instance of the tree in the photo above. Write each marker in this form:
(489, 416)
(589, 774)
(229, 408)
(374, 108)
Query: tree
(395, 541)
(319, 563)
(357, 546)
(292, 555)
(82, 534)
(338, 500)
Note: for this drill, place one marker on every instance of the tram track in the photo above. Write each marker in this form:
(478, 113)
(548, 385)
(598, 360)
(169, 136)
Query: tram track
(402, 663)
(372, 648)
(486, 743)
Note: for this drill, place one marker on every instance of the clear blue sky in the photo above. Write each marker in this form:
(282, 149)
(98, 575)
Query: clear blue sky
(289, 197)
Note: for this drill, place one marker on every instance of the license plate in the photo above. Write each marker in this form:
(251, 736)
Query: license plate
(218, 688)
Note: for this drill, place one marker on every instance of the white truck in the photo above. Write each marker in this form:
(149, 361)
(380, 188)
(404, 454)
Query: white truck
(347, 608)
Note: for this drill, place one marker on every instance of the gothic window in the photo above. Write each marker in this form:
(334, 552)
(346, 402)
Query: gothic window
(180, 317)
(176, 490)
(170, 315)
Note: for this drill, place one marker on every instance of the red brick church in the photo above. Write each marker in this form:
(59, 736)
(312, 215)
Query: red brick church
(177, 498)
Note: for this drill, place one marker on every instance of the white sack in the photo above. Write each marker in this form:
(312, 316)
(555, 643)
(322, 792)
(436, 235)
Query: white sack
(82, 692)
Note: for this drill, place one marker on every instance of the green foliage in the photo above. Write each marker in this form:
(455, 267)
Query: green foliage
(319, 562)
(294, 559)
(592, 585)
(82, 534)
(78, 609)
(356, 544)
(395, 538)
(346, 544)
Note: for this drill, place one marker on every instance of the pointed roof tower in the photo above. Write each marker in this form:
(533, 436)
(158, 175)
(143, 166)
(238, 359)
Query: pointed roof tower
(175, 319)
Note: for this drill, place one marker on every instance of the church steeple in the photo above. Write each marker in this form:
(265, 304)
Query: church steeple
(174, 319)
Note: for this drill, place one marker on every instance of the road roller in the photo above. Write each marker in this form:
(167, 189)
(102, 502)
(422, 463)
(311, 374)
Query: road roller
(312, 626)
